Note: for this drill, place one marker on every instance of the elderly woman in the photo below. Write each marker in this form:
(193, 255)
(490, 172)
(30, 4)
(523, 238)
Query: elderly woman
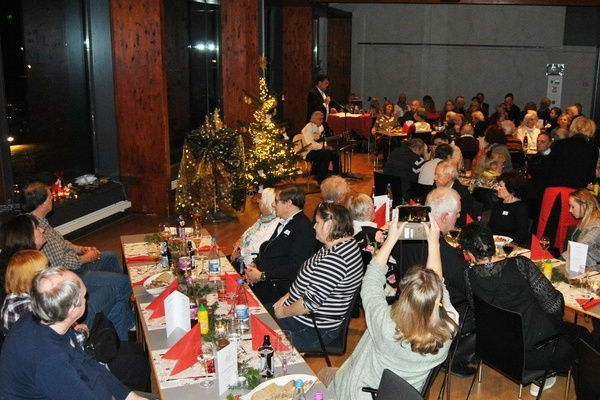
(529, 130)
(246, 248)
(561, 131)
(573, 160)
(335, 190)
(411, 336)
(325, 283)
(517, 284)
(584, 207)
(509, 216)
(479, 123)
(318, 153)
(486, 170)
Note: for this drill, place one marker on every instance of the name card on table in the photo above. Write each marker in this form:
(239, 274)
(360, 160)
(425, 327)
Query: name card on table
(227, 364)
(576, 258)
(177, 316)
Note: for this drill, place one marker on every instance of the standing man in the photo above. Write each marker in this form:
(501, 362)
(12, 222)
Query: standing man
(318, 100)
(40, 358)
(279, 258)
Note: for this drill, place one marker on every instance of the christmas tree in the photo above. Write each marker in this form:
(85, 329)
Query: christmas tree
(271, 158)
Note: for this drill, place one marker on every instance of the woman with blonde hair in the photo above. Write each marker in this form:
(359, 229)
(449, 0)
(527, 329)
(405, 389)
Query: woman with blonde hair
(410, 337)
(22, 268)
(584, 207)
(488, 168)
(479, 123)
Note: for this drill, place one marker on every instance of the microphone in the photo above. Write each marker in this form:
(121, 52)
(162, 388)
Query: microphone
(341, 107)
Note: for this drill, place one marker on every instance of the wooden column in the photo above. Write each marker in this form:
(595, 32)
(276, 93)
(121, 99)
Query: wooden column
(239, 46)
(141, 102)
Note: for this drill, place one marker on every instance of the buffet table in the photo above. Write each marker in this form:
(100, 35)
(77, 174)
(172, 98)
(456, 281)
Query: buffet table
(152, 333)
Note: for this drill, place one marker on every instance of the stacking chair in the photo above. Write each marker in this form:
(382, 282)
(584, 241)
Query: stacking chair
(419, 192)
(394, 387)
(587, 379)
(306, 168)
(425, 136)
(338, 345)
(500, 345)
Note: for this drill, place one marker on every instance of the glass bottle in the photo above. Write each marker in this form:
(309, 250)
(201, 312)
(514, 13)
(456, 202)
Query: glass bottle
(181, 226)
(390, 196)
(266, 357)
(242, 311)
(203, 319)
(299, 390)
(165, 254)
(214, 260)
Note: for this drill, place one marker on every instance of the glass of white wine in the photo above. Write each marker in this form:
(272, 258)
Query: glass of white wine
(544, 243)
(207, 359)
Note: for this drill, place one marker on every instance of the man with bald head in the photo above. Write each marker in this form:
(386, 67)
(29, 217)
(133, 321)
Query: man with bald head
(41, 359)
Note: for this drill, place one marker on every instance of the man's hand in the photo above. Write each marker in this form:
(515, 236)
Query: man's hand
(252, 273)
(89, 255)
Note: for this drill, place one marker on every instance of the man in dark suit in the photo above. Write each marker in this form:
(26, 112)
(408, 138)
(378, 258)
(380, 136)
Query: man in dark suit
(466, 142)
(280, 257)
(318, 99)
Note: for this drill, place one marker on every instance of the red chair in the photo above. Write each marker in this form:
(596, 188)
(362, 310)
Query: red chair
(555, 217)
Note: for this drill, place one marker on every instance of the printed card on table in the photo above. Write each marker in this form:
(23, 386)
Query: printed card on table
(227, 366)
(576, 258)
(177, 316)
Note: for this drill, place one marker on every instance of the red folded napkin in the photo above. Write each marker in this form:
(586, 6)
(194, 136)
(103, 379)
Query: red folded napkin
(380, 216)
(252, 302)
(536, 250)
(231, 282)
(586, 304)
(158, 304)
(141, 281)
(469, 219)
(411, 202)
(206, 249)
(140, 258)
(259, 330)
(185, 351)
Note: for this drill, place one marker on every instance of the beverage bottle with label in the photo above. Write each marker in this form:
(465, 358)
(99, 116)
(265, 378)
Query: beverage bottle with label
(299, 390)
(181, 226)
(214, 260)
(525, 143)
(373, 194)
(390, 200)
(548, 269)
(192, 253)
(203, 319)
(165, 254)
(242, 311)
(266, 357)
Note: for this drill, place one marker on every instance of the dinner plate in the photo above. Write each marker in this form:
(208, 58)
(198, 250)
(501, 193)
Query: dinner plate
(309, 380)
(500, 240)
(155, 291)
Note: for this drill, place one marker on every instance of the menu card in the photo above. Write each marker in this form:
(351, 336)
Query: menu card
(177, 316)
(226, 366)
(576, 258)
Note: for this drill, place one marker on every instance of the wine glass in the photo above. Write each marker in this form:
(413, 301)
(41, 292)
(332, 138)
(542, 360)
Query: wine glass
(283, 349)
(164, 231)
(197, 220)
(207, 359)
(544, 243)
(153, 250)
(508, 248)
(454, 232)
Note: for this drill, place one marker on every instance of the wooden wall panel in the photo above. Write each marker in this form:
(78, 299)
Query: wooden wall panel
(239, 47)
(141, 102)
(339, 47)
(297, 64)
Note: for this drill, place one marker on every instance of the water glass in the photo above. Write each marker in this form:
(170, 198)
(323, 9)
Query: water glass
(284, 349)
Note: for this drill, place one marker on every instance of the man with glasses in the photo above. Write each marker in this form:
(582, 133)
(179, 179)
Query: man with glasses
(280, 257)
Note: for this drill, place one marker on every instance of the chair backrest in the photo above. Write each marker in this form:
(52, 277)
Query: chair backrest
(425, 136)
(487, 197)
(393, 387)
(587, 383)
(298, 142)
(555, 217)
(380, 182)
(419, 192)
(338, 345)
(499, 341)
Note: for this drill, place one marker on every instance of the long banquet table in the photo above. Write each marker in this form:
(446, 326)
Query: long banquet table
(183, 386)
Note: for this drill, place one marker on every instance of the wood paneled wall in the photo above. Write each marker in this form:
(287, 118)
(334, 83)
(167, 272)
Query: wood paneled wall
(239, 47)
(297, 64)
(141, 102)
(339, 47)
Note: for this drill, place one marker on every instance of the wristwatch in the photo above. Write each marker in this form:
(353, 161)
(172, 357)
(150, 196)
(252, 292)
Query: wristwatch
(263, 276)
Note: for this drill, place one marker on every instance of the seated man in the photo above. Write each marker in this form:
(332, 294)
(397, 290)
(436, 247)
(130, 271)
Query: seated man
(98, 270)
(320, 154)
(468, 145)
(445, 176)
(280, 257)
(40, 358)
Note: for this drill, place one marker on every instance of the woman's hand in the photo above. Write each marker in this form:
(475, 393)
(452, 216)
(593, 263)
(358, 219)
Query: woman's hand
(395, 229)
(432, 230)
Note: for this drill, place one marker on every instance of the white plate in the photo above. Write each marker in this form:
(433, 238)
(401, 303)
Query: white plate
(157, 290)
(502, 240)
(281, 381)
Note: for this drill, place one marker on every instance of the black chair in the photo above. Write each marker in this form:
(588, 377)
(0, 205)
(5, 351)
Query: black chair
(487, 197)
(338, 345)
(500, 344)
(424, 136)
(586, 377)
(380, 181)
(419, 192)
(394, 387)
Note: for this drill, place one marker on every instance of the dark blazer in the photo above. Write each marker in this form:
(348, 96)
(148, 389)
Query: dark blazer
(466, 203)
(280, 258)
(572, 162)
(467, 145)
(314, 101)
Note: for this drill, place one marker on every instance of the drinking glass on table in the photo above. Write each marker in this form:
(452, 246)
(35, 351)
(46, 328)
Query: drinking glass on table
(508, 248)
(544, 243)
(454, 232)
(164, 231)
(153, 250)
(207, 359)
(283, 349)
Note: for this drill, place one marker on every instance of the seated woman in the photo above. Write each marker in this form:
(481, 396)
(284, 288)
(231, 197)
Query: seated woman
(510, 216)
(130, 365)
(517, 284)
(561, 130)
(421, 124)
(246, 248)
(320, 154)
(325, 283)
(368, 236)
(409, 337)
(528, 129)
(584, 207)
(486, 171)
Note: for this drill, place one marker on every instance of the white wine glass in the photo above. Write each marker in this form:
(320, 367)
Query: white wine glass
(284, 349)
(207, 359)
(153, 250)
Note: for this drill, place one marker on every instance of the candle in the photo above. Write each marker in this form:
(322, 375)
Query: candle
(220, 327)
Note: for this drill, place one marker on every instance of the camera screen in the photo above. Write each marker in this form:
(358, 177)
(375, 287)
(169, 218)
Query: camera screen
(413, 213)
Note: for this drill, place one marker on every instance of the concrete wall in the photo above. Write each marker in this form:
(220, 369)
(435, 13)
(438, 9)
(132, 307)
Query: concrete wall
(450, 50)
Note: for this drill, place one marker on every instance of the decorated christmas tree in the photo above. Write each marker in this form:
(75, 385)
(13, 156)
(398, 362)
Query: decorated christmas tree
(271, 158)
